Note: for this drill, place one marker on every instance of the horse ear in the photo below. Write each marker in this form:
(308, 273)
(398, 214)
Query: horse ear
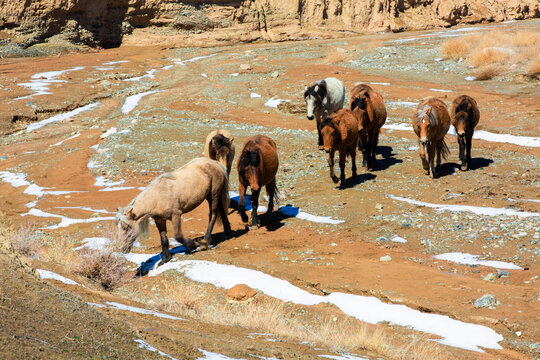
(469, 106)
(130, 215)
(428, 111)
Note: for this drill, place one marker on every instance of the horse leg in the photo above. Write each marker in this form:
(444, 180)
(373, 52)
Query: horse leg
(342, 159)
(320, 141)
(468, 144)
(254, 205)
(352, 152)
(461, 145)
(165, 252)
(176, 221)
(423, 154)
(373, 149)
(222, 211)
(271, 190)
(431, 160)
(331, 165)
(439, 150)
(242, 204)
(212, 217)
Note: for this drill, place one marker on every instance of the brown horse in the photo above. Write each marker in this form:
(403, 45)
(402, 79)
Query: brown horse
(372, 119)
(257, 167)
(340, 133)
(465, 116)
(173, 194)
(219, 146)
(431, 122)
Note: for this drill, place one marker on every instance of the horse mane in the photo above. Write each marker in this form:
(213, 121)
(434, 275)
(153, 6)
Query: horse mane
(250, 157)
(359, 102)
(221, 140)
(422, 112)
(318, 94)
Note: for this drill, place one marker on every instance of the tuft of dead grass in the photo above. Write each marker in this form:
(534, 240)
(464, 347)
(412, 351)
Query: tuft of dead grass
(27, 241)
(268, 315)
(103, 267)
(495, 52)
(487, 72)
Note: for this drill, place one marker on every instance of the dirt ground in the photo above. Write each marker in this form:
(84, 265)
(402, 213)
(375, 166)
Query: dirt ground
(168, 128)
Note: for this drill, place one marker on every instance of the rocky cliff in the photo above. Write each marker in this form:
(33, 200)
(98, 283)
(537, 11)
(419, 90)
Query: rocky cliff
(106, 22)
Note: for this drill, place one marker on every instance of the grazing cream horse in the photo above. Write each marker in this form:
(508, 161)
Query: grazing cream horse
(173, 194)
(219, 146)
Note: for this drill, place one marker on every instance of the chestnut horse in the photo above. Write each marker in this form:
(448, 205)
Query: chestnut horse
(219, 146)
(257, 167)
(170, 196)
(340, 133)
(431, 122)
(372, 119)
(465, 116)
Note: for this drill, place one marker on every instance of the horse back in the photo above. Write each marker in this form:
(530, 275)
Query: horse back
(441, 112)
(347, 122)
(267, 148)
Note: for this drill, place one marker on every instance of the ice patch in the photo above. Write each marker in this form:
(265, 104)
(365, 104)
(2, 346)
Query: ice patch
(133, 100)
(39, 83)
(167, 67)
(61, 117)
(273, 103)
(254, 95)
(214, 356)
(46, 274)
(64, 221)
(369, 309)
(145, 345)
(63, 141)
(149, 74)
(235, 74)
(479, 210)
(470, 78)
(468, 259)
(118, 306)
(95, 243)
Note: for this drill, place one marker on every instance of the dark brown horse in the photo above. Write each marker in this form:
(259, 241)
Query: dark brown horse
(257, 167)
(219, 146)
(431, 122)
(372, 119)
(464, 115)
(340, 133)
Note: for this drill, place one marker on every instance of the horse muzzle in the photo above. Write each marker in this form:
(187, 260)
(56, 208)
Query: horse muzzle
(310, 117)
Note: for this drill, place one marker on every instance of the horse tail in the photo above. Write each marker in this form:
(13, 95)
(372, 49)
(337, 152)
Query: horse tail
(143, 228)
(444, 150)
(276, 193)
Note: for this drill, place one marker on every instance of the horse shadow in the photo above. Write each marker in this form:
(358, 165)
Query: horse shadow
(478, 163)
(388, 158)
(272, 221)
(357, 180)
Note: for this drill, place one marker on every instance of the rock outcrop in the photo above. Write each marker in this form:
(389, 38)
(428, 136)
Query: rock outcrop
(105, 22)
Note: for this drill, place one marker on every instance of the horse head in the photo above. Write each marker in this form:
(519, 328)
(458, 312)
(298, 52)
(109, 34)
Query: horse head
(220, 148)
(363, 122)
(461, 122)
(128, 228)
(425, 120)
(250, 165)
(329, 132)
(314, 96)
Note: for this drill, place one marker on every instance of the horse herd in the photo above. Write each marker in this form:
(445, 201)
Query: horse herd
(342, 130)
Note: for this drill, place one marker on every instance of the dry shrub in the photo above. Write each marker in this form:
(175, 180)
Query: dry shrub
(490, 55)
(487, 72)
(456, 48)
(526, 38)
(104, 268)
(27, 241)
(59, 250)
(336, 56)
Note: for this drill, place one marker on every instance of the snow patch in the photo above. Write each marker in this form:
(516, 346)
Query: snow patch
(46, 274)
(441, 90)
(102, 181)
(63, 141)
(149, 74)
(64, 220)
(118, 306)
(468, 259)
(95, 243)
(133, 100)
(398, 239)
(214, 356)
(479, 210)
(61, 117)
(39, 83)
(254, 95)
(273, 103)
(145, 345)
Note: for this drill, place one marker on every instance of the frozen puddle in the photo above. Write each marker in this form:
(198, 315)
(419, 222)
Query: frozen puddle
(287, 210)
(39, 83)
(468, 259)
(145, 345)
(478, 210)
(61, 117)
(64, 220)
(273, 103)
(133, 100)
(46, 274)
(369, 309)
(118, 306)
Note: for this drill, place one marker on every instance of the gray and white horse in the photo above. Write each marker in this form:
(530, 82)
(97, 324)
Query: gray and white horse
(325, 95)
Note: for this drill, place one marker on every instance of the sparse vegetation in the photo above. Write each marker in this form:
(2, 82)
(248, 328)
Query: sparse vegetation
(103, 267)
(27, 241)
(497, 52)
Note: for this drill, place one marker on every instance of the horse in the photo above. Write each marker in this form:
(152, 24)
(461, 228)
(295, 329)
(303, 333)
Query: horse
(340, 133)
(464, 116)
(372, 119)
(219, 146)
(172, 194)
(257, 167)
(431, 122)
(325, 95)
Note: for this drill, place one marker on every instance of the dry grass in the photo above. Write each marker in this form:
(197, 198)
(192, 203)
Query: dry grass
(336, 56)
(27, 241)
(104, 268)
(497, 52)
(338, 333)
(534, 68)
(487, 72)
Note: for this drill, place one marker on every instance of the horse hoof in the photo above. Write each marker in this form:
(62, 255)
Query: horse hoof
(464, 167)
(321, 147)
(335, 179)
